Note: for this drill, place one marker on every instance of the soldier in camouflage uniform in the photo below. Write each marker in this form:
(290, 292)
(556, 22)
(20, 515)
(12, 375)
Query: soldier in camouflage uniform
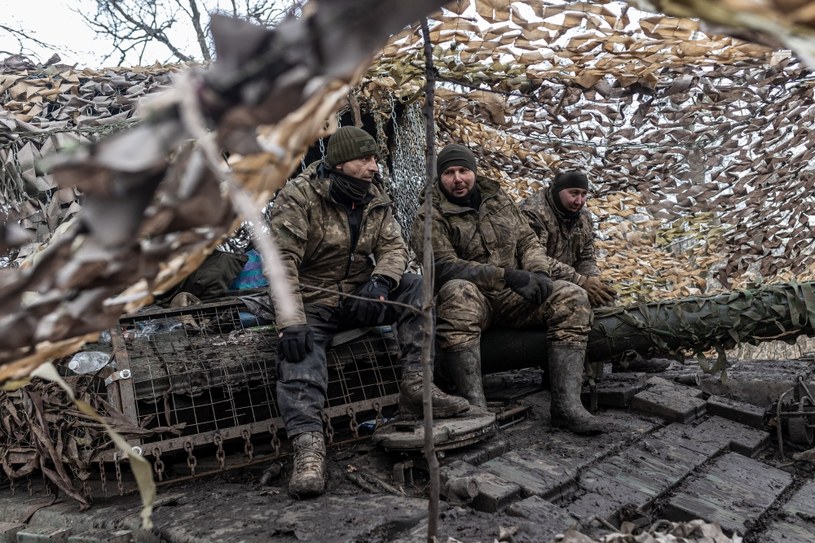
(490, 270)
(335, 228)
(558, 215)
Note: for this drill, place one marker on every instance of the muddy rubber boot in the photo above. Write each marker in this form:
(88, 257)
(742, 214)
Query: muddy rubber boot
(566, 377)
(410, 399)
(308, 475)
(464, 369)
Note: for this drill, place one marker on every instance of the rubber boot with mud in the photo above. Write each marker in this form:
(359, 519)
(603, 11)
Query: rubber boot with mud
(410, 399)
(308, 476)
(464, 369)
(566, 378)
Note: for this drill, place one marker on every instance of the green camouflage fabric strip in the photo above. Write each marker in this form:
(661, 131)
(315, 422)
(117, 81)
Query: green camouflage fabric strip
(697, 324)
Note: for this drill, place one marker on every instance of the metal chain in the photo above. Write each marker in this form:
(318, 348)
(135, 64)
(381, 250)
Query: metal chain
(352, 423)
(380, 418)
(192, 461)
(219, 453)
(83, 476)
(275, 439)
(329, 429)
(158, 464)
(103, 477)
(119, 482)
(248, 449)
(322, 147)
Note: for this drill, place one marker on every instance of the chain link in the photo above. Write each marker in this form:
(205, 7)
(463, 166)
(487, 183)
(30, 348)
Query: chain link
(380, 418)
(322, 148)
(329, 429)
(352, 423)
(103, 477)
(158, 464)
(192, 461)
(275, 439)
(219, 453)
(248, 449)
(119, 482)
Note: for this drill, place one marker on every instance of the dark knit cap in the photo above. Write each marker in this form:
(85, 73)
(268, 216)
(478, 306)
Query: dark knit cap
(455, 155)
(348, 143)
(570, 180)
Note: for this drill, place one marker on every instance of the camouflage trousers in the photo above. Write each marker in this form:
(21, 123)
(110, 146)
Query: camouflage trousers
(464, 311)
(302, 386)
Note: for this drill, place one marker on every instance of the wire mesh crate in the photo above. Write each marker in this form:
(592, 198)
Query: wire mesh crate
(206, 374)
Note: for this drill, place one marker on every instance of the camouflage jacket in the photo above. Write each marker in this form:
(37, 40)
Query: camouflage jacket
(572, 246)
(314, 238)
(477, 245)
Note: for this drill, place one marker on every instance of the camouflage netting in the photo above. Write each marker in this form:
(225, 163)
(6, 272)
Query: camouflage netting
(696, 144)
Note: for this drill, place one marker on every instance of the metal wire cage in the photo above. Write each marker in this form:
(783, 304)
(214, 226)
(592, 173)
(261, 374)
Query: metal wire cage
(207, 374)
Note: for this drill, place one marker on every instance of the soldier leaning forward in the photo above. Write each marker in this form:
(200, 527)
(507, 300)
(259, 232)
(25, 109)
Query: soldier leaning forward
(559, 217)
(336, 231)
(491, 269)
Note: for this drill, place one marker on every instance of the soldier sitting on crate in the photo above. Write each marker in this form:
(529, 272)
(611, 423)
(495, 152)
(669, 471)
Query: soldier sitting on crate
(490, 270)
(336, 230)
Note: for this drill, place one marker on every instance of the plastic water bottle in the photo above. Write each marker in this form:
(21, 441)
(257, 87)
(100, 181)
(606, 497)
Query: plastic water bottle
(87, 362)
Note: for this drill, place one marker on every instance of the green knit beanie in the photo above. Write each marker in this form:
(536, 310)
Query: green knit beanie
(455, 155)
(348, 143)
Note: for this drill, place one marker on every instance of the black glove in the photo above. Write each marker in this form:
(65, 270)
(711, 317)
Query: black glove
(296, 342)
(371, 310)
(535, 287)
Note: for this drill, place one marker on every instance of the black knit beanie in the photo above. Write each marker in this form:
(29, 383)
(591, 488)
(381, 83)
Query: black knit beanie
(570, 180)
(455, 155)
(348, 143)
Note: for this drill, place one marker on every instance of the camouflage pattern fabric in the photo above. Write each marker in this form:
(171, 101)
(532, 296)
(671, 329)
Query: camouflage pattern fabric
(315, 242)
(573, 247)
(471, 250)
(477, 245)
(464, 311)
(302, 386)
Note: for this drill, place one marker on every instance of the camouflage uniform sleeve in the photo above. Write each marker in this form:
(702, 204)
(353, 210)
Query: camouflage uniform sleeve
(390, 251)
(446, 261)
(289, 225)
(531, 252)
(586, 263)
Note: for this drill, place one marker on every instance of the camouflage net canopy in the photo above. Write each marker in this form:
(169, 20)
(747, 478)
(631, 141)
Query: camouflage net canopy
(695, 143)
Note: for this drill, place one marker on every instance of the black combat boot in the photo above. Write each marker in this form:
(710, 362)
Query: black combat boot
(308, 475)
(410, 399)
(464, 369)
(566, 377)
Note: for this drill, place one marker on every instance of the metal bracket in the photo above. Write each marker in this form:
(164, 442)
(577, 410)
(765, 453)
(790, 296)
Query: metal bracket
(117, 375)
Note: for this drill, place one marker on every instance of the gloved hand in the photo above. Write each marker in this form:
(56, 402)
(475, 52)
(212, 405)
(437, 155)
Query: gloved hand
(599, 293)
(296, 342)
(370, 310)
(534, 287)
